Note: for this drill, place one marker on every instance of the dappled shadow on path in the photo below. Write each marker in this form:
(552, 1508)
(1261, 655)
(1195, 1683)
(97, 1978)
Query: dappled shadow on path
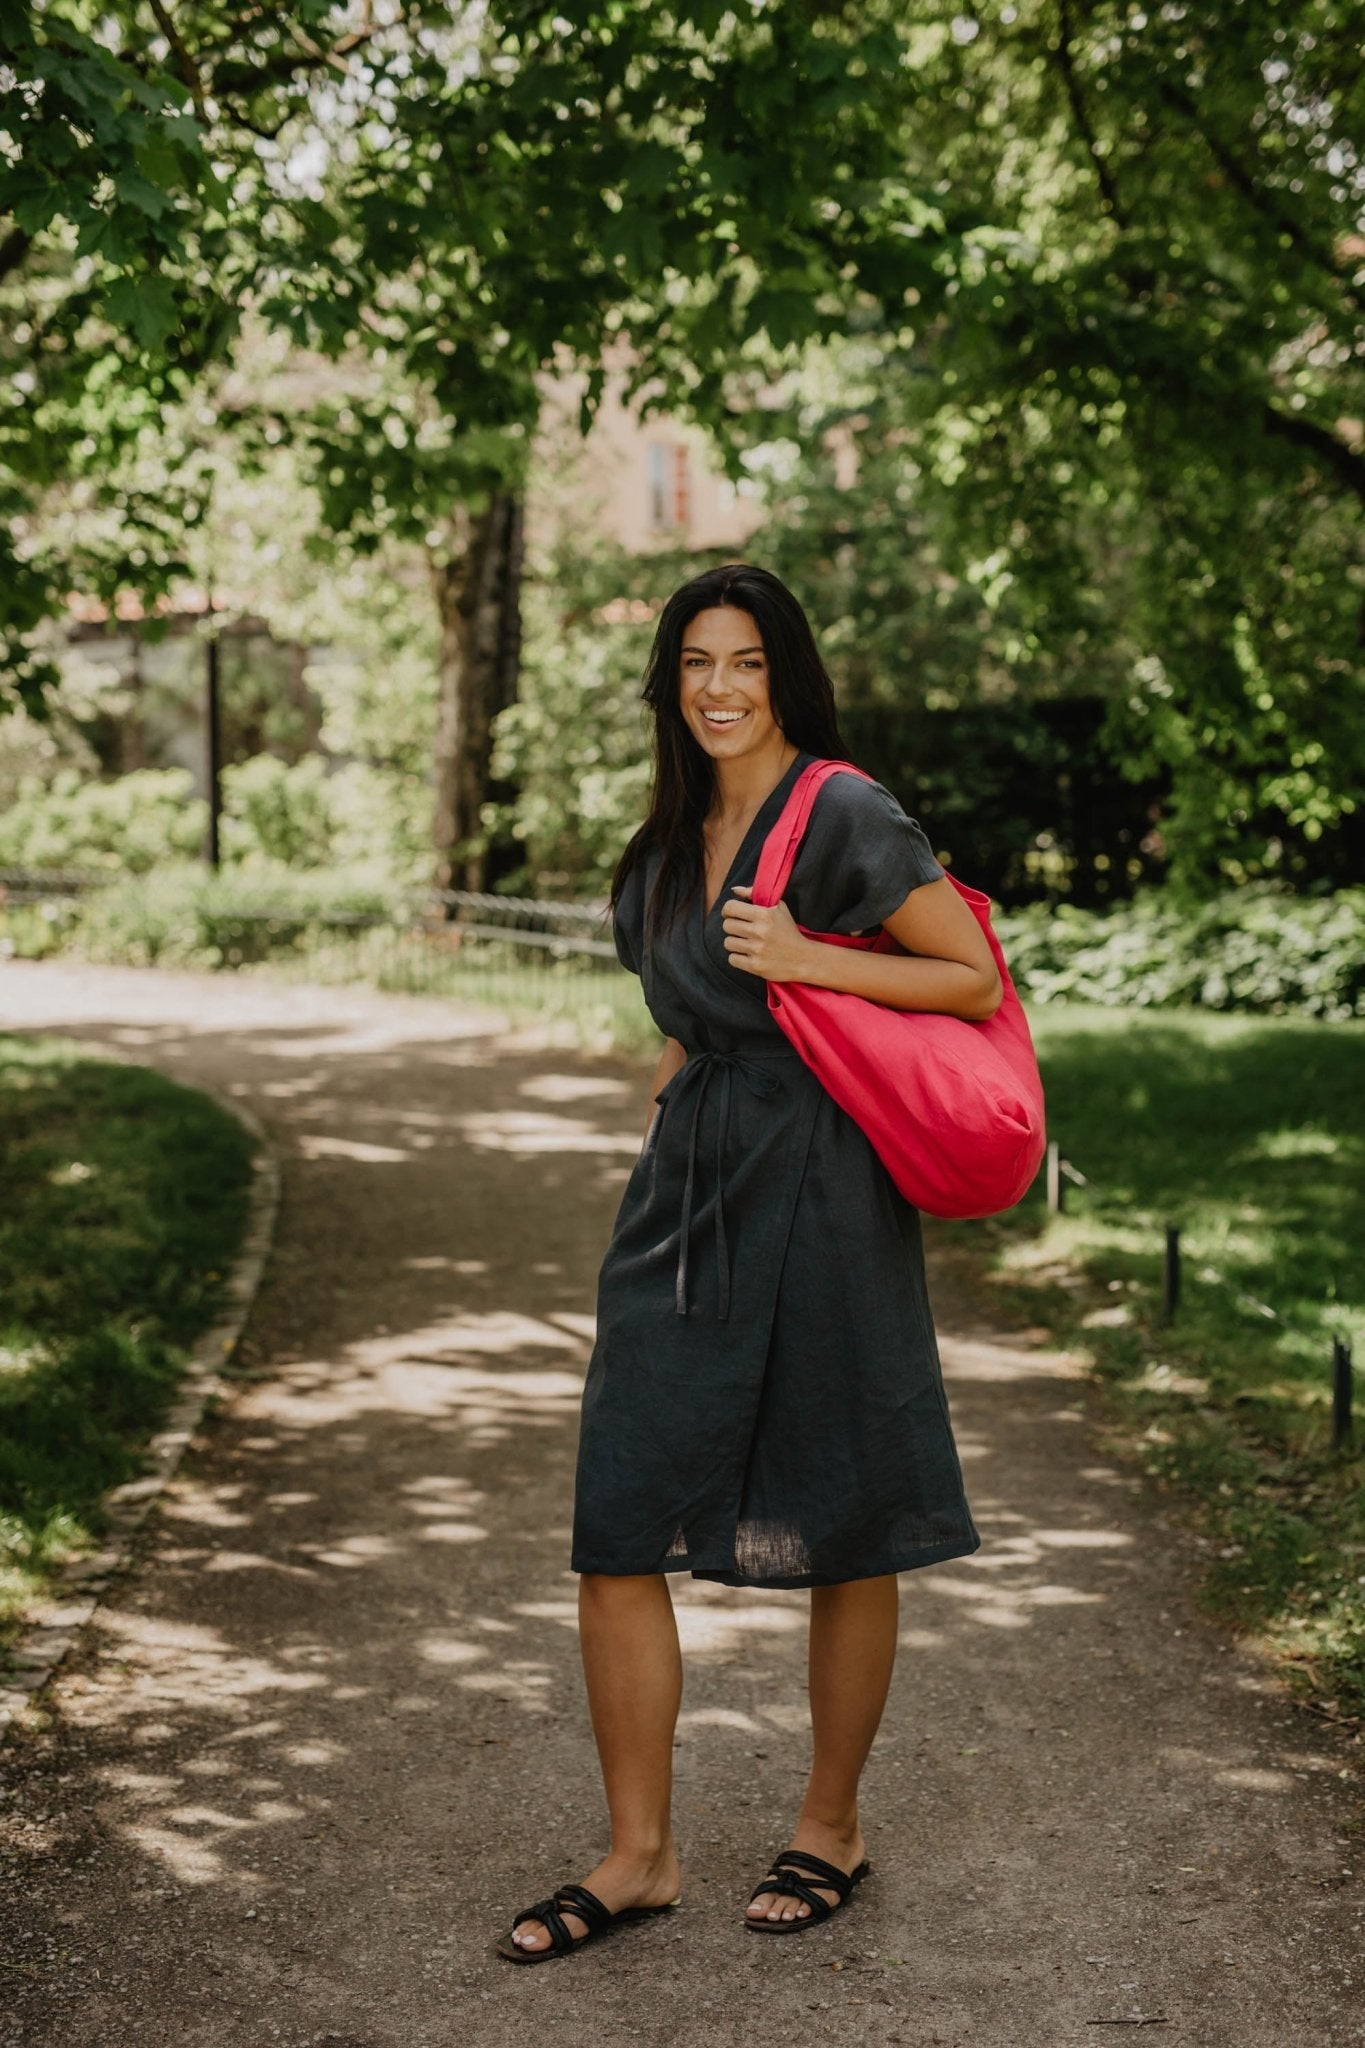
(331, 1731)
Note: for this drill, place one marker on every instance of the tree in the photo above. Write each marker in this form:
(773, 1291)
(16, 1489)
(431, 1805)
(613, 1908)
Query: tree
(464, 206)
(1132, 415)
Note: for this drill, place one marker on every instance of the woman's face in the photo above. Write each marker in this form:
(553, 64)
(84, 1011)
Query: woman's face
(723, 685)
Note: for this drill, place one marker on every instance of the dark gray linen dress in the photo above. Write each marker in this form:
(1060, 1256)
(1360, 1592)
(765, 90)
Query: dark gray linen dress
(764, 1405)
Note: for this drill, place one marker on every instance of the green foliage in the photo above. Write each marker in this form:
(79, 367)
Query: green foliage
(491, 195)
(576, 745)
(1255, 949)
(189, 917)
(575, 749)
(276, 817)
(134, 823)
(1100, 270)
(355, 819)
(1123, 419)
(125, 1201)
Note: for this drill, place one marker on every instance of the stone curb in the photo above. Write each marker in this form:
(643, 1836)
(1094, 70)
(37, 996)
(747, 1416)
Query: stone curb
(79, 1586)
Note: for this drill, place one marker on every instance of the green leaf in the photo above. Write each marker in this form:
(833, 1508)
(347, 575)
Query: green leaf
(144, 305)
(32, 199)
(135, 190)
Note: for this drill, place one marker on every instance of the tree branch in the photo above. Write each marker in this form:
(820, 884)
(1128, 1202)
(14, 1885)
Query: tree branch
(1258, 197)
(245, 79)
(1066, 64)
(1346, 464)
(184, 62)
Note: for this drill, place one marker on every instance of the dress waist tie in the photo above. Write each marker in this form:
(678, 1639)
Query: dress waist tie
(697, 1074)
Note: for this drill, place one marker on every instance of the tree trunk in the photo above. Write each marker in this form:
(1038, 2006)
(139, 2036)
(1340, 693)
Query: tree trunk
(477, 583)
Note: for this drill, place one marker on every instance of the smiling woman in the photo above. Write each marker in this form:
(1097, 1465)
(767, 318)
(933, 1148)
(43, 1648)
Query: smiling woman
(764, 1405)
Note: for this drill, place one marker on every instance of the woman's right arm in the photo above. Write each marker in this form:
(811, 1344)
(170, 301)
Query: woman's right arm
(671, 1058)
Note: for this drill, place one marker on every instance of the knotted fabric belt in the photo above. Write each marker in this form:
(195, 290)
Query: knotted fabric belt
(758, 1071)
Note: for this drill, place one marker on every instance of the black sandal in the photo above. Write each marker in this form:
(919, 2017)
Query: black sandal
(585, 1906)
(794, 1875)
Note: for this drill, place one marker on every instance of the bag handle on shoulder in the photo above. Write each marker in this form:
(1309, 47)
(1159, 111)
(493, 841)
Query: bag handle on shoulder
(783, 842)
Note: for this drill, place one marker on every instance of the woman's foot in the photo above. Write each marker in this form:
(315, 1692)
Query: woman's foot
(619, 1881)
(843, 1847)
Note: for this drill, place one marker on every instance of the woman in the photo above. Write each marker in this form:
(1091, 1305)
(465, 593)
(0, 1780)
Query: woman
(764, 1405)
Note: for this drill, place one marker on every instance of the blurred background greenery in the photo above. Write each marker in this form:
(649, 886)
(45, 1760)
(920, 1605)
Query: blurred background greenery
(1029, 344)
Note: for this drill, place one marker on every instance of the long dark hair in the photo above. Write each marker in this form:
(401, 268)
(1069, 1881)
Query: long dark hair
(802, 699)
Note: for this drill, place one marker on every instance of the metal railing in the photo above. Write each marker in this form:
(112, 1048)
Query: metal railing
(522, 954)
(562, 928)
(45, 885)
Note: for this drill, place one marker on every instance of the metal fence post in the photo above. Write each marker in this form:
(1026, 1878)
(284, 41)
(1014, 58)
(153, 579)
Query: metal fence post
(1056, 1186)
(1170, 1299)
(213, 720)
(1341, 1393)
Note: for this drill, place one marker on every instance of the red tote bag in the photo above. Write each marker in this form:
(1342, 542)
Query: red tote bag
(954, 1109)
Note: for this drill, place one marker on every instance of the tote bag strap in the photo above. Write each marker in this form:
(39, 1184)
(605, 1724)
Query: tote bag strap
(783, 842)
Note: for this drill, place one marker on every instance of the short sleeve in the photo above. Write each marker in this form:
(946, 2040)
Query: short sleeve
(628, 920)
(859, 860)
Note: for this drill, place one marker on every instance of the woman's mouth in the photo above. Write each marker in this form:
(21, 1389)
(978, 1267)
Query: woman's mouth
(720, 719)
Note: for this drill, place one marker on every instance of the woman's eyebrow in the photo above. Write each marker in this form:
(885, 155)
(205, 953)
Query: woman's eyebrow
(688, 648)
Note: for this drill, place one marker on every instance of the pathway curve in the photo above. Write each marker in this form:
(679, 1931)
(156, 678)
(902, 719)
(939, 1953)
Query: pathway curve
(330, 1730)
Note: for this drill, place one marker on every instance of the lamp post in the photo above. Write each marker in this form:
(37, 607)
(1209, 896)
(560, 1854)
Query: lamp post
(214, 733)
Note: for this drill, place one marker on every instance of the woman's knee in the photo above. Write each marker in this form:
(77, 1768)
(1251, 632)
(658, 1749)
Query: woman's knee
(607, 1588)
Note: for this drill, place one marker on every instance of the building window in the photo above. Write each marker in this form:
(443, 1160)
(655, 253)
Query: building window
(670, 487)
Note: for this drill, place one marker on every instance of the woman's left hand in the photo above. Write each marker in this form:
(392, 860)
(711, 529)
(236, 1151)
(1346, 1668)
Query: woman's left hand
(763, 940)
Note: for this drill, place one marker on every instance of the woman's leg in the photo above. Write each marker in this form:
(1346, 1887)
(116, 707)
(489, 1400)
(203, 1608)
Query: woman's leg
(633, 1667)
(852, 1653)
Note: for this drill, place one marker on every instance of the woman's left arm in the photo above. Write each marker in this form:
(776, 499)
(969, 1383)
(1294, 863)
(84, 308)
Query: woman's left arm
(947, 966)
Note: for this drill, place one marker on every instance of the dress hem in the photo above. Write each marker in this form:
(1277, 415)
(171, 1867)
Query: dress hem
(725, 1575)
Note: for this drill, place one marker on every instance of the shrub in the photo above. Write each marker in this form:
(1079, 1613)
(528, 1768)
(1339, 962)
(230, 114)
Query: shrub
(275, 812)
(276, 815)
(1256, 949)
(188, 917)
(135, 823)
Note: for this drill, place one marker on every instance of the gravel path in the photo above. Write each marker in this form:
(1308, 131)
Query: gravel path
(330, 1730)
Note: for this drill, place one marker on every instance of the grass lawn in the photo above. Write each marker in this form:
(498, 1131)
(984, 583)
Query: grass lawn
(125, 1199)
(1249, 1134)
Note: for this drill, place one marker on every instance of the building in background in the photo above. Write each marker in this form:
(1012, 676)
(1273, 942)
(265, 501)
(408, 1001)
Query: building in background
(642, 482)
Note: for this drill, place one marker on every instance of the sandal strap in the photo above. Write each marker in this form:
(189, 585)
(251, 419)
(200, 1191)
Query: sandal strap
(809, 1866)
(786, 1885)
(585, 1905)
(575, 1899)
(547, 1912)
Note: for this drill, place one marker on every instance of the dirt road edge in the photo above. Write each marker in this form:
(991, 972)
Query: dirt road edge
(80, 1585)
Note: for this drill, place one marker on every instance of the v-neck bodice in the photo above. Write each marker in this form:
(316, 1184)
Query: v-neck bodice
(768, 811)
(694, 992)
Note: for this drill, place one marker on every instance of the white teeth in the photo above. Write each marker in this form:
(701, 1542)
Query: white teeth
(723, 717)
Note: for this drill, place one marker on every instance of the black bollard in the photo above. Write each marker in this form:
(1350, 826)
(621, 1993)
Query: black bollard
(1170, 1298)
(1341, 1393)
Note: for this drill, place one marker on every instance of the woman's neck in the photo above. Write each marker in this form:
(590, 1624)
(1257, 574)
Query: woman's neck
(742, 785)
